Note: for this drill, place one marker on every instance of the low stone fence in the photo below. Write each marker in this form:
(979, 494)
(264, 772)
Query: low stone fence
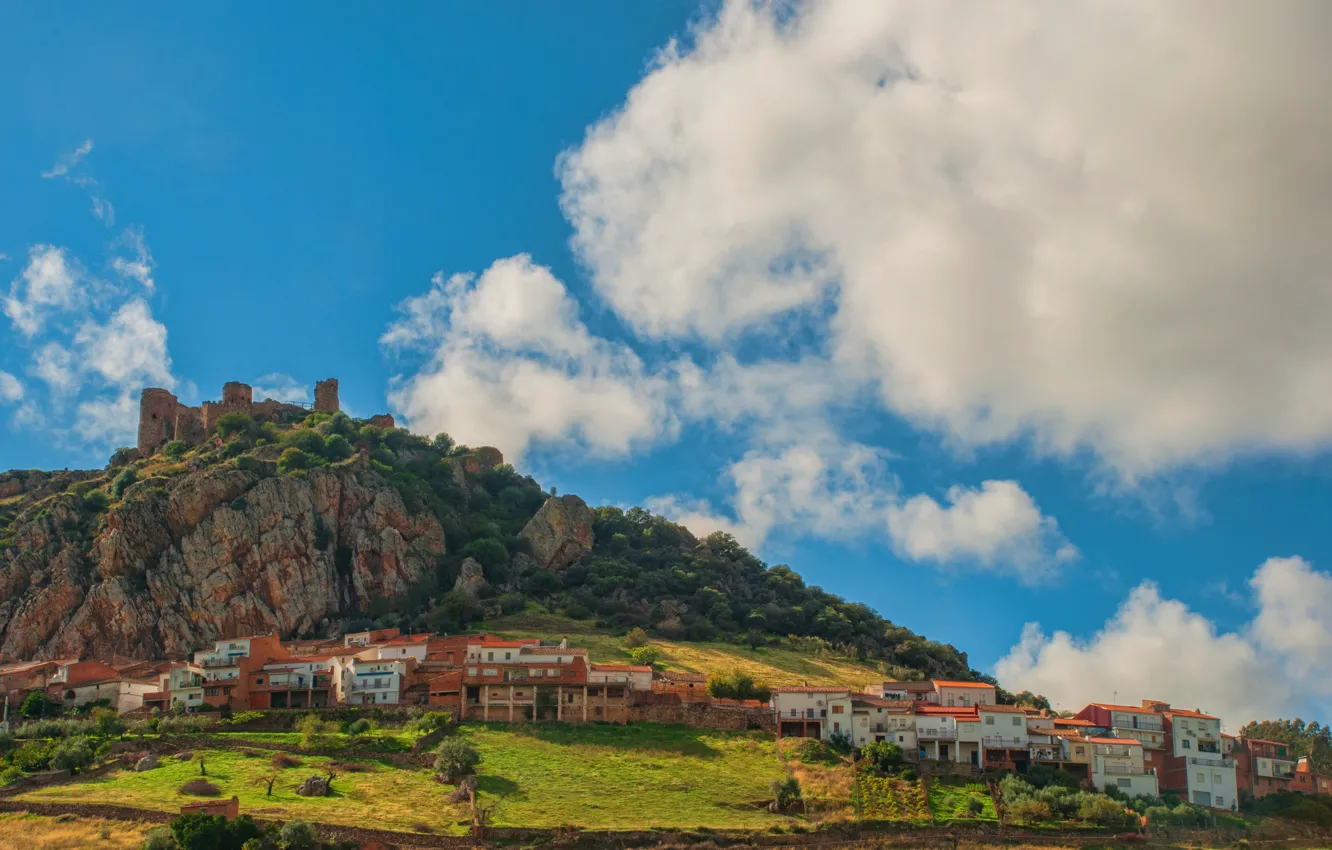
(706, 716)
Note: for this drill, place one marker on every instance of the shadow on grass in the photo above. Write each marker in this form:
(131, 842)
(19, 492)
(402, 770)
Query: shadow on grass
(648, 738)
(498, 786)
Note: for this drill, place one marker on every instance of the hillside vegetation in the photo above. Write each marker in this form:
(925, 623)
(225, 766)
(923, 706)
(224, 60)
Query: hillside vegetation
(348, 525)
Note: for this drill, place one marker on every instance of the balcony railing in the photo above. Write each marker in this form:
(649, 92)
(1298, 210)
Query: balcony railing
(220, 662)
(1218, 762)
(1001, 741)
(1127, 770)
(1140, 726)
(936, 734)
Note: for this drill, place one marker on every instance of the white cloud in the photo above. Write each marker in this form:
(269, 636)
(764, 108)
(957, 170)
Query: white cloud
(69, 160)
(510, 363)
(280, 387)
(103, 210)
(49, 283)
(140, 268)
(11, 388)
(998, 526)
(54, 365)
(1156, 648)
(1016, 232)
(129, 349)
(108, 420)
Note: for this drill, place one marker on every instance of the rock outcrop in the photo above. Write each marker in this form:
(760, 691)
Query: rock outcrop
(471, 577)
(313, 786)
(220, 552)
(560, 533)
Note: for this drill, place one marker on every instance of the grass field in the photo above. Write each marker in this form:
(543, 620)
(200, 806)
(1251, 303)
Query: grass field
(33, 832)
(384, 797)
(949, 796)
(769, 665)
(614, 777)
(598, 777)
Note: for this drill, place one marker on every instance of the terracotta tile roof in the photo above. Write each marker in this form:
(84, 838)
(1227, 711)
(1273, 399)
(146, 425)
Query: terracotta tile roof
(946, 711)
(880, 702)
(1072, 721)
(506, 644)
(942, 684)
(1175, 712)
(1002, 709)
(621, 668)
(1062, 733)
(1130, 709)
(554, 650)
(809, 689)
(917, 687)
(1128, 741)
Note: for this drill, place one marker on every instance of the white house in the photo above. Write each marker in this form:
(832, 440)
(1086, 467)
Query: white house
(964, 694)
(1118, 762)
(878, 719)
(369, 681)
(1196, 740)
(812, 712)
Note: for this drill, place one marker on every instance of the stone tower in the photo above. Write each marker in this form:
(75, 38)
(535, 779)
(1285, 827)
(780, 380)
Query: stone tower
(236, 394)
(326, 396)
(157, 419)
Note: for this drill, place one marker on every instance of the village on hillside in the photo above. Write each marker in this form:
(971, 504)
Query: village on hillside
(1144, 750)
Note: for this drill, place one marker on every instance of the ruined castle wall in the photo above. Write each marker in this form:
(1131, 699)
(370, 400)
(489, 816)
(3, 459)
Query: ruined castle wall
(272, 410)
(326, 396)
(157, 419)
(237, 394)
(189, 425)
(382, 420)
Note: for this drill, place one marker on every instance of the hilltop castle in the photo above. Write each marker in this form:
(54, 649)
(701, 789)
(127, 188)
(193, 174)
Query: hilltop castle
(163, 418)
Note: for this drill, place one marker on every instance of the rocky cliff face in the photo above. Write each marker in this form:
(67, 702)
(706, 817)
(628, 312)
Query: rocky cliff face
(560, 533)
(213, 553)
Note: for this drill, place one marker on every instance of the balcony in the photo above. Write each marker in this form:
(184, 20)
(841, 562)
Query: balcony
(1140, 726)
(1126, 770)
(1216, 762)
(1006, 743)
(220, 662)
(936, 734)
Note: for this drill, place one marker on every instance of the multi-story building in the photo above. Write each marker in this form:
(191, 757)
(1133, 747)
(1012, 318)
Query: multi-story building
(1118, 762)
(296, 682)
(228, 665)
(1138, 723)
(805, 711)
(1004, 736)
(180, 685)
(526, 680)
(964, 694)
(936, 730)
(1261, 767)
(1195, 766)
(878, 719)
(369, 681)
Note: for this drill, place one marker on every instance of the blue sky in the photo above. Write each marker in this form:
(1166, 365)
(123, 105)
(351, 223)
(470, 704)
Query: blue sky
(914, 300)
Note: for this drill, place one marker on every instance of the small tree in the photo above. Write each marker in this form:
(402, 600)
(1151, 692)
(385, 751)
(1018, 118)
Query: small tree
(36, 704)
(314, 732)
(174, 448)
(636, 638)
(884, 755)
(646, 656)
(123, 481)
(72, 754)
(786, 792)
(840, 740)
(107, 722)
(297, 835)
(267, 780)
(455, 758)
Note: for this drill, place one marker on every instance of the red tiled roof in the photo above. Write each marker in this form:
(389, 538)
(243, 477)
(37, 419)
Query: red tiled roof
(621, 668)
(941, 684)
(1003, 709)
(946, 711)
(554, 650)
(870, 699)
(1131, 709)
(1072, 721)
(507, 644)
(1176, 712)
(1129, 741)
(809, 689)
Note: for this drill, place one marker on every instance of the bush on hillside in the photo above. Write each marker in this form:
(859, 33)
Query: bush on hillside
(737, 685)
(635, 638)
(886, 756)
(37, 704)
(72, 754)
(645, 656)
(455, 758)
(314, 732)
(840, 740)
(199, 788)
(123, 481)
(174, 448)
(786, 793)
(1030, 812)
(431, 721)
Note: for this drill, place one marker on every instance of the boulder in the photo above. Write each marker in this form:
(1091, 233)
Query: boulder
(471, 577)
(184, 755)
(560, 532)
(148, 762)
(313, 786)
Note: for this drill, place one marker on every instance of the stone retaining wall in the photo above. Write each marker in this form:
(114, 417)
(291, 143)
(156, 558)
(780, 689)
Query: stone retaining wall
(705, 716)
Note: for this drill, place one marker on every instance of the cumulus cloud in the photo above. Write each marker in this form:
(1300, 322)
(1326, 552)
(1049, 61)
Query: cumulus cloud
(129, 349)
(69, 160)
(140, 267)
(1014, 231)
(510, 363)
(48, 284)
(1157, 648)
(11, 388)
(996, 526)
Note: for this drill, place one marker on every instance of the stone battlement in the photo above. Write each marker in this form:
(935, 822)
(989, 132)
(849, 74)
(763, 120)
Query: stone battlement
(163, 418)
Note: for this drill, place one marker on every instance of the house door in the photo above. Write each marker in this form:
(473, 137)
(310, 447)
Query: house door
(975, 758)
(943, 752)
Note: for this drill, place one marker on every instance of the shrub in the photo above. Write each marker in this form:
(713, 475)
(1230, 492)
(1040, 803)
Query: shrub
(123, 481)
(455, 758)
(512, 603)
(36, 704)
(293, 459)
(490, 554)
(786, 791)
(1104, 811)
(174, 448)
(199, 788)
(284, 760)
(840, 741)
(431, 721)
(233, 423)
(10, 775)
(297, 835)
(107, 722)
(884, 755)
(636, 638)
(646, 656)
(975, 805)
(359, 727)
(1030, 811)
(72, 754)
(32, 756)
(160, 838)
(314, 732)
(737, 685)
(96, 501)
(242, 717)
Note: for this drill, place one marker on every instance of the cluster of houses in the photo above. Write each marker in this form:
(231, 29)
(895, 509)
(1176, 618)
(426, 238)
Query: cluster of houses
(1146, 749)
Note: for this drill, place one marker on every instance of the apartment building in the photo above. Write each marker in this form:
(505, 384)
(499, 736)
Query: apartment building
(228, 664)
(1195, 766)
(1138, 723)
(1004, 736)
(877, 719)
(937, 692)
(937, 730)
(182, 684)
(297, 682)
(1262, 767)
(361, 680)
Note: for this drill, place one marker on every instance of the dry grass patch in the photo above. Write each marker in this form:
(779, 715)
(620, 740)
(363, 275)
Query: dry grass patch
(22, 831)
(199, 788)
(284, 760)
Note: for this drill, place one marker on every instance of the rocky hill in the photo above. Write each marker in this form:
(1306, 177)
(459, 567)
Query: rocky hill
(326, 523)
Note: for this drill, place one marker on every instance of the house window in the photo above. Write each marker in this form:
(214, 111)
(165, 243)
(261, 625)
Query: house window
(1216, 779)
(836, 709)
(823, 712)
(553, 671)
(471, 671)
(1079, 751)
(1186, 744)
(1017, 721)
(836, 726)
(1202, 779)
(1125, 783)
(901, 739)
(259, 681)
(490, 656)
(793, 712)
(507, 656)
(989, 721)
(537, 673)
(1220, 801)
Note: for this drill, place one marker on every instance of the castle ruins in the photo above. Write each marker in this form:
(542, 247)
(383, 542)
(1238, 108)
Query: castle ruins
(163, 418)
